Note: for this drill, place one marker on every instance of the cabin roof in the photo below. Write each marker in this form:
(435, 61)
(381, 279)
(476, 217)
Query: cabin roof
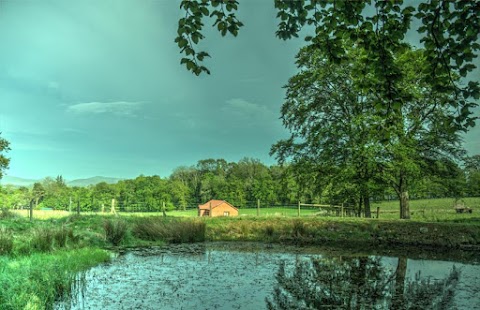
(215, 203)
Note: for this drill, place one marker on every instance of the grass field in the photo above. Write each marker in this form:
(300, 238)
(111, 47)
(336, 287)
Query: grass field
(421, 210)
(441, 209)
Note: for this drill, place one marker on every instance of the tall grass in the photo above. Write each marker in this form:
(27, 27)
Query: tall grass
(46, 239)
(174, 231)
(37, 281)
(6, 242)
(115, 230)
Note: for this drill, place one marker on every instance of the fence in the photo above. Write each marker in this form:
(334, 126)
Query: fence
(341, 210)
(249, 208)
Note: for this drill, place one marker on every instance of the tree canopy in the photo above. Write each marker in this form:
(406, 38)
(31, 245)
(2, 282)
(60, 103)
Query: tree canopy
(448, 32)
(335, 124)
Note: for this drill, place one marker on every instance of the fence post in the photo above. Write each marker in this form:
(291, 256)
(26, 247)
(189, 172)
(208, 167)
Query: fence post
(210, 211)
(31, 210)
(258, 207)
(341, 210)
(112, 210)
(298, 210)
(378, 212)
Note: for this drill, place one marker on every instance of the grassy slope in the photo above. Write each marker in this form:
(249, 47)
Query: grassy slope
(348, 231)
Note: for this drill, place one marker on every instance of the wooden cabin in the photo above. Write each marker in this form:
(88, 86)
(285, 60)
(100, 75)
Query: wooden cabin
(217, 208)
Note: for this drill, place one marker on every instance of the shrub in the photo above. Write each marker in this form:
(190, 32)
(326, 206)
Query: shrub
(172, 231)
(115, 231)
(6, 214)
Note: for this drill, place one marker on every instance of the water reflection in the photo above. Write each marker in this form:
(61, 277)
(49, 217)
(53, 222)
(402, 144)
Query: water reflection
(243, 276)
(358, 283)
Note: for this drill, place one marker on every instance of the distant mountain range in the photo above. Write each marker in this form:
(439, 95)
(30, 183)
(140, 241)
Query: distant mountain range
(15, 181)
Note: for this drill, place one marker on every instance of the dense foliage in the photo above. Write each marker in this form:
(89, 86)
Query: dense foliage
(337, 128)
(242, 183)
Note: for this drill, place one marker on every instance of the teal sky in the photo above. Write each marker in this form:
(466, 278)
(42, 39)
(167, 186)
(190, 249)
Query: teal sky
(95, 88)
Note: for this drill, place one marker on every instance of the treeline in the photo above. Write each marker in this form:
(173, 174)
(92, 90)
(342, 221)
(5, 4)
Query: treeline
(242, 183)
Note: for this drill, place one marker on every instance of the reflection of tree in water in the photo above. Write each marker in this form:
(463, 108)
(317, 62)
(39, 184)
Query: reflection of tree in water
(358, 283)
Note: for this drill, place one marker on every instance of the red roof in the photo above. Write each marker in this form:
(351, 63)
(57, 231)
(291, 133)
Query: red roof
(215, 203)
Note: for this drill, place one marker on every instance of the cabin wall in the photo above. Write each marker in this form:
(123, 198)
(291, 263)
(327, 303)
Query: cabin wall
(222, 209)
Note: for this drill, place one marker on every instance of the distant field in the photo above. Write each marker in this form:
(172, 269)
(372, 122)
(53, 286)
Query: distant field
(422, 210)
(429, 209)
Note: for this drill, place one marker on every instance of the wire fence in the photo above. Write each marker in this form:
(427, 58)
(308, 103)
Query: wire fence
(249, 208)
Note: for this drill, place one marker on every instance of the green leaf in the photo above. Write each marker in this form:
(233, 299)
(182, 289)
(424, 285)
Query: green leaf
(204, 11)
(195, 38)
(182, 43)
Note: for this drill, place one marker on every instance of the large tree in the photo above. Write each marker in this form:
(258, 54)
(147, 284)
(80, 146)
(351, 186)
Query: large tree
(449, 32)
(334, 122)
(422, 130)
(331, 121)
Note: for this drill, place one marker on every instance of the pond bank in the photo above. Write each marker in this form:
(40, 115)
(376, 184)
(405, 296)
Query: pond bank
(351, 232)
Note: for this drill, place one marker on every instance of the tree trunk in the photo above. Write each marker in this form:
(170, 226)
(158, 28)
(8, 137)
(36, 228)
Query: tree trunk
(400, 273)
(30, 210)
(404, 205)
(366, 205)
(403, 196)
(359, 212)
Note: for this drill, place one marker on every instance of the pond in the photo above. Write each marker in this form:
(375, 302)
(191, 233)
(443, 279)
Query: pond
(259, 276)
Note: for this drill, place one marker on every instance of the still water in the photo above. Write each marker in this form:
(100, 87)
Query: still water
(262, 276)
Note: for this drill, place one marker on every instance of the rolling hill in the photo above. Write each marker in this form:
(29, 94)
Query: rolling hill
(16, 181)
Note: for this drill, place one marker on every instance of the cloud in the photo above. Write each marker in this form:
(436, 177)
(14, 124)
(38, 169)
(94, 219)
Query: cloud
(36, 147)
(247, 109)
(119, 108)
(53, 85)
